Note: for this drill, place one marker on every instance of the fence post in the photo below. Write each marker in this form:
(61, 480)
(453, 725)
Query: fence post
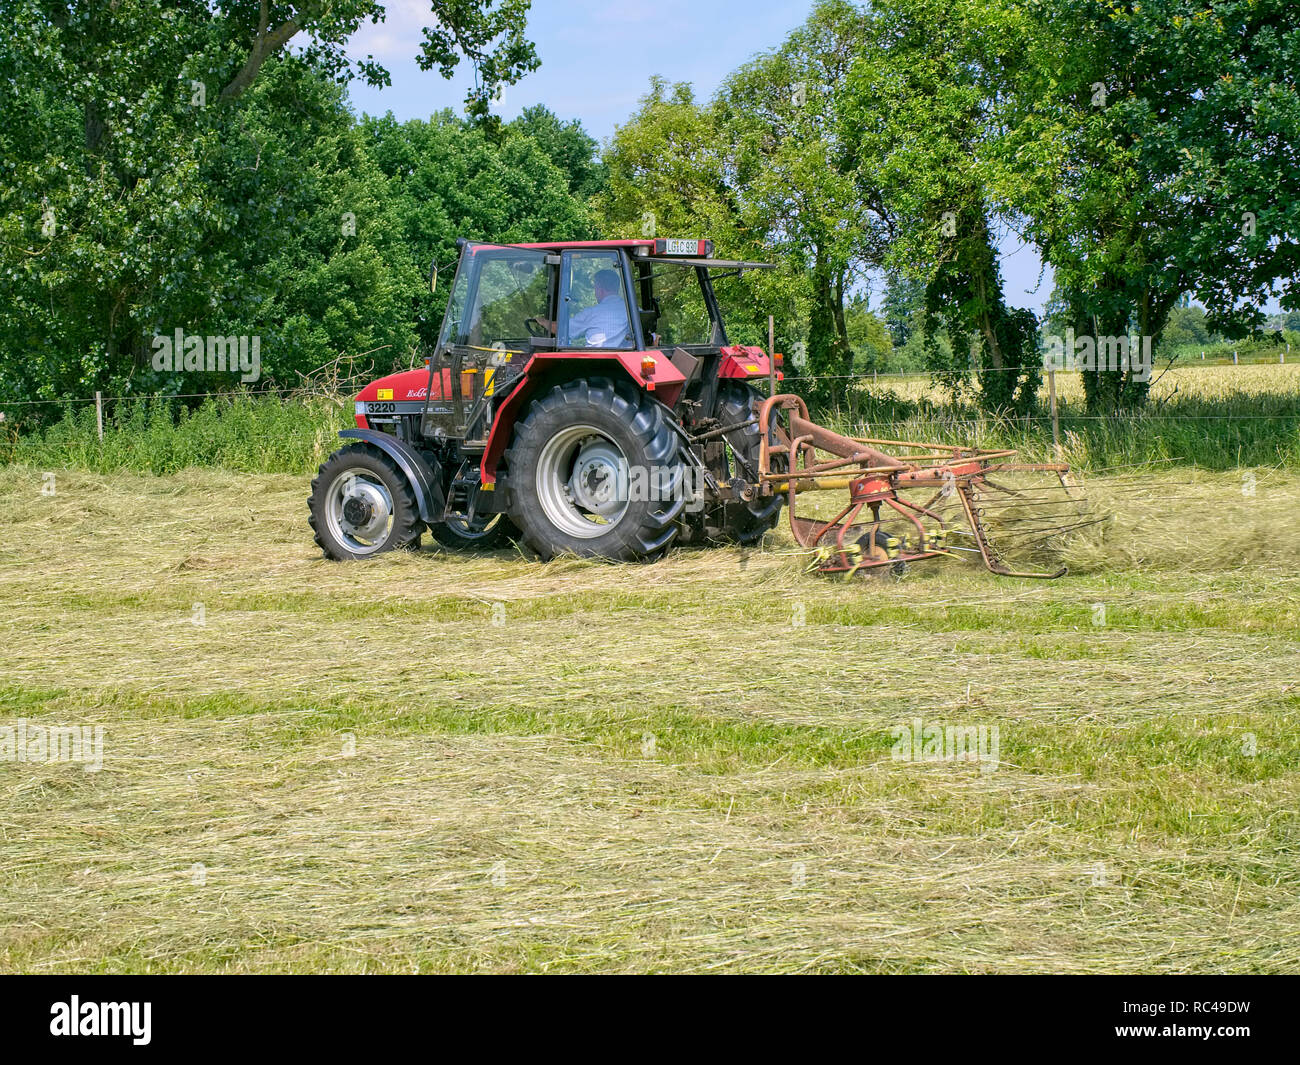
(771, 355)
(99, 414)
(1056, 424)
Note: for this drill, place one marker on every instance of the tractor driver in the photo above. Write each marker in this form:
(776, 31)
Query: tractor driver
(604, 325)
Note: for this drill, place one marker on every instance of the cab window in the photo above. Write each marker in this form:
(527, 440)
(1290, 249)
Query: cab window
(682, 318)
(593, 302)
(506, 288)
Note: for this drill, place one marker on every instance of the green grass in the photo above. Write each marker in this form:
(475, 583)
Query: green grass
(683, 766)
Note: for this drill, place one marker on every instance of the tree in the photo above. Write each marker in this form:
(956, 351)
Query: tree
(490, 33)
(917, 107)
(448, 178)
(1186, 325)
(1152, 149)
(791, 169)
(868, 338)
(144, 180)
(668, 169)
(566, 145)
(904, 301)
(330, 271)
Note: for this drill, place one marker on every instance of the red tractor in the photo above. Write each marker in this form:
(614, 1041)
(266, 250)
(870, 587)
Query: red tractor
(583, 396)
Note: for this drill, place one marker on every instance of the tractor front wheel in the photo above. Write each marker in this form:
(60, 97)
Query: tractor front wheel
(362, 504)
(596, 471)
(485, 533)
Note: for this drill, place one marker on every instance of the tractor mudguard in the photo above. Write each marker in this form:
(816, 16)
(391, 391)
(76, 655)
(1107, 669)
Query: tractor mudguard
(539, 372)
(742, 363)
(425, 479)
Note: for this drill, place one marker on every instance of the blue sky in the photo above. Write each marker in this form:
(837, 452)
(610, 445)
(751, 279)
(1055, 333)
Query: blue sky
(597, 61)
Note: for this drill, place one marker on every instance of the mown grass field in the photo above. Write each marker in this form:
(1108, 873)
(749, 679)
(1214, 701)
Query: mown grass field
(434, 762)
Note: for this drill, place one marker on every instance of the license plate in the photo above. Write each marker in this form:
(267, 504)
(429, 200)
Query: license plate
(682, 247)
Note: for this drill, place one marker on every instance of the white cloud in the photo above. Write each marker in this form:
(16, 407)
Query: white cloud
(398, 37)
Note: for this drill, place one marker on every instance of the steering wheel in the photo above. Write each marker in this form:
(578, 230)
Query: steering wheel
(535, 328)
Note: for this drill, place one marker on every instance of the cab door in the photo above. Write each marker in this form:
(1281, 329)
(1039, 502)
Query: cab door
(596, 308)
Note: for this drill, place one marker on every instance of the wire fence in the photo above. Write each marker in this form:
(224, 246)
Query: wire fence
(873, 375)
(791, 380)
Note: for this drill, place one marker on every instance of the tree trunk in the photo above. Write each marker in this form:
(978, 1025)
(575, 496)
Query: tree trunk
(823, 361)
(843, 349)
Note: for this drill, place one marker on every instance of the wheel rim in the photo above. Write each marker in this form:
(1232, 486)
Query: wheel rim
(478, 530)
(359, 511)
(582, 478)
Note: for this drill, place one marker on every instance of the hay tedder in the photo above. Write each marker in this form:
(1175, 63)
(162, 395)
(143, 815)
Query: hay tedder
(951, 477)
(584, 398)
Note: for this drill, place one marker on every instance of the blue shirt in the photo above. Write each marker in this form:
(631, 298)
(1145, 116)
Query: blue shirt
(603, 326)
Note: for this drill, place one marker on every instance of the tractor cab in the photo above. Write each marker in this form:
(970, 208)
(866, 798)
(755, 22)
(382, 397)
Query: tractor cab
(513, 310)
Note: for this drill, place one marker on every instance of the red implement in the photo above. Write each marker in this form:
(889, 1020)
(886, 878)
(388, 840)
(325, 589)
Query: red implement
(908, 531)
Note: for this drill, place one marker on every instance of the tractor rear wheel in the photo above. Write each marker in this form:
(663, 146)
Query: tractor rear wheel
(743, 522)
(596, 471)
(362, 504)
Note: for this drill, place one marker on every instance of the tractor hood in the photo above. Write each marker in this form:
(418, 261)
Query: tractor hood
(403, 387)
(398, 394)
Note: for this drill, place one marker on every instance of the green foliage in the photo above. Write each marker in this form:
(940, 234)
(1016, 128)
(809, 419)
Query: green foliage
(790, 169)
(763, 169)
(174, 165)
(254, 434)
(566, 145)
(667, 175)
(195, 165)
(665, 167)
(1186, 325)
(1262, 349)
(447, 178)
(104, 207)
(259, 433)
(903, 306)
(1149, 147)
(916, 105)
(868, 338)
(330, 274)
